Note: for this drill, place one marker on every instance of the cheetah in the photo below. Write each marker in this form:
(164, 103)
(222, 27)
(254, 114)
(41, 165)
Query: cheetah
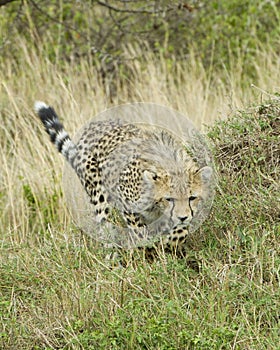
(140, 182)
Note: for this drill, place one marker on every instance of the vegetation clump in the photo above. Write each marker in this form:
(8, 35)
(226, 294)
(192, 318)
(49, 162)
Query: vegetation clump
(248, 156)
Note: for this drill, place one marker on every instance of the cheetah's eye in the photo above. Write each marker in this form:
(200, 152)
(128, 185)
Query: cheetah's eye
(192, 198)
(169, 199)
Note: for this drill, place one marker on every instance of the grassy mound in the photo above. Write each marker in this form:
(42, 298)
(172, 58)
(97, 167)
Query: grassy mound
(247, 152)
(57, 292)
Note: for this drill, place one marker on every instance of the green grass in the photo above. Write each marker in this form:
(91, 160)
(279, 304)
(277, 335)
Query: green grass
(62, 296)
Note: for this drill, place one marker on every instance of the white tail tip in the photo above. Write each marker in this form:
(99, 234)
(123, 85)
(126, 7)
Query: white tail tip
(38, 105)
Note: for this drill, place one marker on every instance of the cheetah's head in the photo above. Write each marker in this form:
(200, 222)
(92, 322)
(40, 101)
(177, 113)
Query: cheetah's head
(177, 195)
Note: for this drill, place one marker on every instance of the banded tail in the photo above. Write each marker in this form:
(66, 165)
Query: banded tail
(59, 137)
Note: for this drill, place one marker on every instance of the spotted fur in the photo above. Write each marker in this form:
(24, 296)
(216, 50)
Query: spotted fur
(146, 176)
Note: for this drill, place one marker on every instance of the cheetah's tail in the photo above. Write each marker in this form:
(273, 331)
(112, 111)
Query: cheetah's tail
(59, 137)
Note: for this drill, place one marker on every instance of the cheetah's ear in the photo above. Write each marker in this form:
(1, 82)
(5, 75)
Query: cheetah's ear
(205, 174)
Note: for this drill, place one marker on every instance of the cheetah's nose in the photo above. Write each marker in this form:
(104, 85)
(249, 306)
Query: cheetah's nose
(182, 218)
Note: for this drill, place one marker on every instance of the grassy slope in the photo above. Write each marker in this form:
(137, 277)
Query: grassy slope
(56, 292)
